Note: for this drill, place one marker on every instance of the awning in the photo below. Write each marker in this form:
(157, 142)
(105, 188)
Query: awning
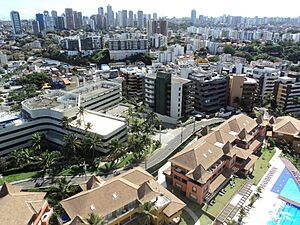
(216, 183)
(249, 165)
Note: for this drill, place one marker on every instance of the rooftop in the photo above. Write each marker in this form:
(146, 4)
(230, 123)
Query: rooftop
(101, 124)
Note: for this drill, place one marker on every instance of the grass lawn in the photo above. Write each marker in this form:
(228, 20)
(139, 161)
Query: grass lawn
(257, 113)
(262, 165)
(18, 176)
(221, 201)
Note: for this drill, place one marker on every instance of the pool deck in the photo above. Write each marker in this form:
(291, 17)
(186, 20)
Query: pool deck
(267, 206)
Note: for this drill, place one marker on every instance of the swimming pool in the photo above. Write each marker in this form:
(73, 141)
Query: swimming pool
(287, 214)
(287, 187)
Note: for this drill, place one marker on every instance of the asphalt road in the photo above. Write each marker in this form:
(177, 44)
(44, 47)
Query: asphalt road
(161, 154)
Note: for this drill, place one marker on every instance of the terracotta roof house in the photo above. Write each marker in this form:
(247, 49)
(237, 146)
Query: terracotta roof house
(118, 199)
(202, 169)
(28, 208)
(287, 128)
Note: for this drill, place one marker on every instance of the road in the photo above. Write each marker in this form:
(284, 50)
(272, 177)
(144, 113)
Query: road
(162, 153)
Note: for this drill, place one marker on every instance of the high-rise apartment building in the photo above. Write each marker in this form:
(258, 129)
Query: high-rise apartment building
(140, 19)
(59, 23)
(266, 77)
(210, 91)
(287, 93)
(69, 19)
(16, 22)
(154, 16)
(158, 27)
(53, 14)
(124, 21)
(78, 23)
(110, 16)
(168, 95)
(242, 92)
(35, 27)
(193, 16)
(130, 19)
(48, 21)
(101, 11)
(40, 19)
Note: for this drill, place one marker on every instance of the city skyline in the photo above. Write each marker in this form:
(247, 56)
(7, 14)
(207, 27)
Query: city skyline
(29, 8)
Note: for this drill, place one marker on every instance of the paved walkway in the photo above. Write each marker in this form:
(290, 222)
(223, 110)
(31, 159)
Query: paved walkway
(193, 215)
(236, 202)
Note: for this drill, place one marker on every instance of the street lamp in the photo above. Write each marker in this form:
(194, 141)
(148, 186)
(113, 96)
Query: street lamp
(84, 165)
(181, 135)
(160, 133)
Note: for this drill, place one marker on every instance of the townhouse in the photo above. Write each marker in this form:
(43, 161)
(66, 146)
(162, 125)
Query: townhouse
(119, 199)
(202, 169)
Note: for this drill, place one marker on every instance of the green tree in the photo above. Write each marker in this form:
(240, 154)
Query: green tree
(47, 159)
(94, 219)
(91, 142)
(62, 190)
(22, 157)
(72, 143)
(228, 49)
(37, 141)
(146, 212)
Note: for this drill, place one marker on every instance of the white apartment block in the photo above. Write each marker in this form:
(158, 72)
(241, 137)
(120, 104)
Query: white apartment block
(44, 114)
(266, 77)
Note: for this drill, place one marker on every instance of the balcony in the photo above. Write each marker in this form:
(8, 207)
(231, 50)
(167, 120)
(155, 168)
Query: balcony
(120, 212)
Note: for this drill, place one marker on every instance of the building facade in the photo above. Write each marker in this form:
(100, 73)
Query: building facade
(16, 22)
(202, 169)
(121, 49)
(287, 93)
(210, 91)
(168, 95)
(242, 92)
(45, 113)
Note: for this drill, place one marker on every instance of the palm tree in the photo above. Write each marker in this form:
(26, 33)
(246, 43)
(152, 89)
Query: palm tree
(91, 142)
(116, 149)
(65, 122)
(62, 190)
(88, 126)
(72, 142)
(153, 118)
(242, 214)
(48, 159)
(94, 219)
(81, 113)
(147, 212)
(22, 157)
(136, 145)
(37, 141)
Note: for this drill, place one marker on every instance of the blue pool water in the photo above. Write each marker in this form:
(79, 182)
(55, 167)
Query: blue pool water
(287, 187)
(287, 215)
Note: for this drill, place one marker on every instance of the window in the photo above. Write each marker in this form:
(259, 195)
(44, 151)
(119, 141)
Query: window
(194, 189)
(193, 197)
(179, 89)
(178, 185)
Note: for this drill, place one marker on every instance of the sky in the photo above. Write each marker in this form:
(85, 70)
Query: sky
(169, 8)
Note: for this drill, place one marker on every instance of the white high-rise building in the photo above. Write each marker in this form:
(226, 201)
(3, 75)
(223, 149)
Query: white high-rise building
(110, 16)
